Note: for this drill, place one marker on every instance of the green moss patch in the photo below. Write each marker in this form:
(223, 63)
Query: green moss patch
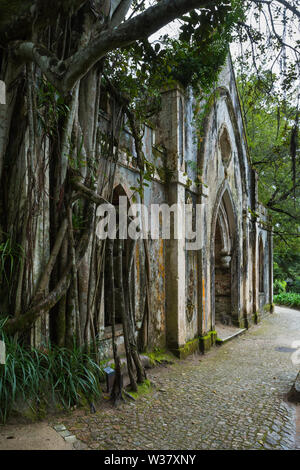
(159, 357)
(207, 341)
(189, 348)
(143, 389)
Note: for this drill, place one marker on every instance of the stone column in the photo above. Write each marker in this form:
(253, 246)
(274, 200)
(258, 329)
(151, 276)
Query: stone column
(255, 242)
(171, 136)
(175, 278)
(246, 268)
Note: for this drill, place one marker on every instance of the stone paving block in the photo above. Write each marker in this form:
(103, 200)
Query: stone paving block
(71, 438)
(59, 427)
(65, 433)
(224, 401)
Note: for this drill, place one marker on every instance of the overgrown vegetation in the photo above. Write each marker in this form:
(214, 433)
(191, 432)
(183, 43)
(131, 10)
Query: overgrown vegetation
(271, 118)
(288, 298)
(56, 167)
(46, 377)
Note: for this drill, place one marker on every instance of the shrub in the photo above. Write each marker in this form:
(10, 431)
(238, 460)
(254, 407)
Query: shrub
(291, 299)
(279, 286)
(295, 286)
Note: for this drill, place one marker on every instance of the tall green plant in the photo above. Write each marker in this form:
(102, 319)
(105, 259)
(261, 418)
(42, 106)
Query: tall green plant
(39, 377)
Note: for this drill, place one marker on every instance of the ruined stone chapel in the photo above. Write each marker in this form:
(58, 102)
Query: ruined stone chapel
(226, 284)
(195, 294)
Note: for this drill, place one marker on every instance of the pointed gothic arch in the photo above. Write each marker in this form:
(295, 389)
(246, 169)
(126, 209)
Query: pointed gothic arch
(225, 256)
(222, 93)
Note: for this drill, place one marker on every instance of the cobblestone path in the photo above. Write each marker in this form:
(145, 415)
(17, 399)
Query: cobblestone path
(232, 398)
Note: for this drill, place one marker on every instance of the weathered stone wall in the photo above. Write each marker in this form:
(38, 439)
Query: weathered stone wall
(194, 291)
(229, 279)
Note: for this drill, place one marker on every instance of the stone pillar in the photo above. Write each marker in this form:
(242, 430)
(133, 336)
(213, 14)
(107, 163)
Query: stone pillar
(175, 278)
(255, 242)
(246, 268)
(171, 135)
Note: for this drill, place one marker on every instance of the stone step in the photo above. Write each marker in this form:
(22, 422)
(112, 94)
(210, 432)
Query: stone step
(227, 334)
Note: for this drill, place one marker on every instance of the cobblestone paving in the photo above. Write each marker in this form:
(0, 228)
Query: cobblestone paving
(232, 398)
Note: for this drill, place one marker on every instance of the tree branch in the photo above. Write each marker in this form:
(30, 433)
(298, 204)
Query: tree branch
(281, 211)
(282, 2)
(64, 74)
(88, 193)
(19, 18)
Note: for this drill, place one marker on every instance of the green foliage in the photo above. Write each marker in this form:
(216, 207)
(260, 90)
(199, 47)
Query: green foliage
(279, 286)
(143, 389)
(159, 356)
(291, 299)
(286, 258)
(51, 107)
(270, 119)
(194, 58)
(45, 376)
(295, 287)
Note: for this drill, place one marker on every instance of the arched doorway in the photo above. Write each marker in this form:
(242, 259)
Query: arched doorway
(225, 288)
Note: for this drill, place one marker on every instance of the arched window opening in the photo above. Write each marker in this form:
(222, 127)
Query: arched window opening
(261, 266)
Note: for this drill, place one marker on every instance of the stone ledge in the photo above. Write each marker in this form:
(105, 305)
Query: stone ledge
(231, 336)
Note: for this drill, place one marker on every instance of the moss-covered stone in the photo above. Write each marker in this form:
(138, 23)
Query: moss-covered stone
(269, 308)
(207, 341)
(189, 348)
(159, 356)
(256, 317)
(143, 389)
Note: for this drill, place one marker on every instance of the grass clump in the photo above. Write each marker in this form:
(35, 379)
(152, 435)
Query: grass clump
(158, 356)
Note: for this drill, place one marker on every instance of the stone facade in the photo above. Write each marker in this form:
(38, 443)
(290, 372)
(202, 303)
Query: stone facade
(229, 280)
